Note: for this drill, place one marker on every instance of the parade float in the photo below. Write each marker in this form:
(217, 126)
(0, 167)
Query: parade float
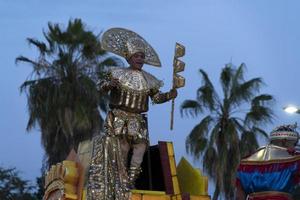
(161, 179)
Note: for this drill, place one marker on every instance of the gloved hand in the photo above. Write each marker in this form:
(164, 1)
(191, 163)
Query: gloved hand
(172, 94)
(114, 83)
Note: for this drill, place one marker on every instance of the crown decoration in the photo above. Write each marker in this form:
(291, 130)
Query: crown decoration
(287, 132)
(125, 43)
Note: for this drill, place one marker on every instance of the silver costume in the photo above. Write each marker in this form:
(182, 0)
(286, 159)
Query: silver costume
(126, 125)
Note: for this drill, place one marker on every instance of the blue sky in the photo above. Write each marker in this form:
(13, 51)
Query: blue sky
(263, 34)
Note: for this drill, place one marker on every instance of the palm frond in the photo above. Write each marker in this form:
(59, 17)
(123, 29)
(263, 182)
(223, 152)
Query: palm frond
(214, 133)
(26, 84)
(111, 61)
(263, 99)
(260, 131)
(25, 59)
(245, 91)
(206, 94)
(190, 107)
(50, 43)
(238, 76)
(226, 80)
(231, 131)
(248, 143)
(196, 140)
(210, 160)
(259, 115)
(42, 47)
(240, 127)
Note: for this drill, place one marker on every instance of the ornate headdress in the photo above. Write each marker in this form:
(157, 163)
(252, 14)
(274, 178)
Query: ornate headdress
(125, 43)
(287, 132)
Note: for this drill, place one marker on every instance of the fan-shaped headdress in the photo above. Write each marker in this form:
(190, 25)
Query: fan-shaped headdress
(125, 43)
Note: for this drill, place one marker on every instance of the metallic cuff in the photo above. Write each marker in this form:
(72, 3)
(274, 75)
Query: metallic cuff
(104, 83)
(160, 98)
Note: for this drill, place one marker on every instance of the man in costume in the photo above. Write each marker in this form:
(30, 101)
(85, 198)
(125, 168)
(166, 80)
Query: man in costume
(273, 171)
(111, 174)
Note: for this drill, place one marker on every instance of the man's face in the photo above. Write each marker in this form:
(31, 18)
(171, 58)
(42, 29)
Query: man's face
(137, 60)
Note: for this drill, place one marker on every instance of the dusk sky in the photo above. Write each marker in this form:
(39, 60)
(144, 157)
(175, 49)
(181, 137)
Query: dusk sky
(264, 34)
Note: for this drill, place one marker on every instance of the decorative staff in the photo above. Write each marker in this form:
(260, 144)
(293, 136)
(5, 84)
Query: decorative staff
(178, 80)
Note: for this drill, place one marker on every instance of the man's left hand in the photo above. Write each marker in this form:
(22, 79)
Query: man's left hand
(173, 93)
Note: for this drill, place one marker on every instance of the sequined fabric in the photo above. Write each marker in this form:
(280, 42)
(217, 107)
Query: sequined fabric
(120, 123)
(134, 91)
(108, 179)
(116, 40)
(129, 100)
(138, 80)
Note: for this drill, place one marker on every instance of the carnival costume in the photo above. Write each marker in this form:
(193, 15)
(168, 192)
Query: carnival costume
(126, 124)
(272, 172)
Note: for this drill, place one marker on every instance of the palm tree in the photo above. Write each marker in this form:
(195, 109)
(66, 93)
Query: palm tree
(62, 96)
(13, 186)
(231, 125)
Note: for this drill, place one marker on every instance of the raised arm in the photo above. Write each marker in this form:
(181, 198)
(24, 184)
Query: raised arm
(107, 83)
(159, 97)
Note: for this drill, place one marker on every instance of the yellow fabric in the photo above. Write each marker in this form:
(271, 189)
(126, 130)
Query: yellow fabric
(190, 179)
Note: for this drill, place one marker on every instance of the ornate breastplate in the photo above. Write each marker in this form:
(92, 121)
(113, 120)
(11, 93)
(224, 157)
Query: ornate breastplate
(134, 90)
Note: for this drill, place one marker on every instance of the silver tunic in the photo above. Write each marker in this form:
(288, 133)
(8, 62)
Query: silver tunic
(134, 91)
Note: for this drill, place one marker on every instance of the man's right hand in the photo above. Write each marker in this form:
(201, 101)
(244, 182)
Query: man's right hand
(114, 83)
